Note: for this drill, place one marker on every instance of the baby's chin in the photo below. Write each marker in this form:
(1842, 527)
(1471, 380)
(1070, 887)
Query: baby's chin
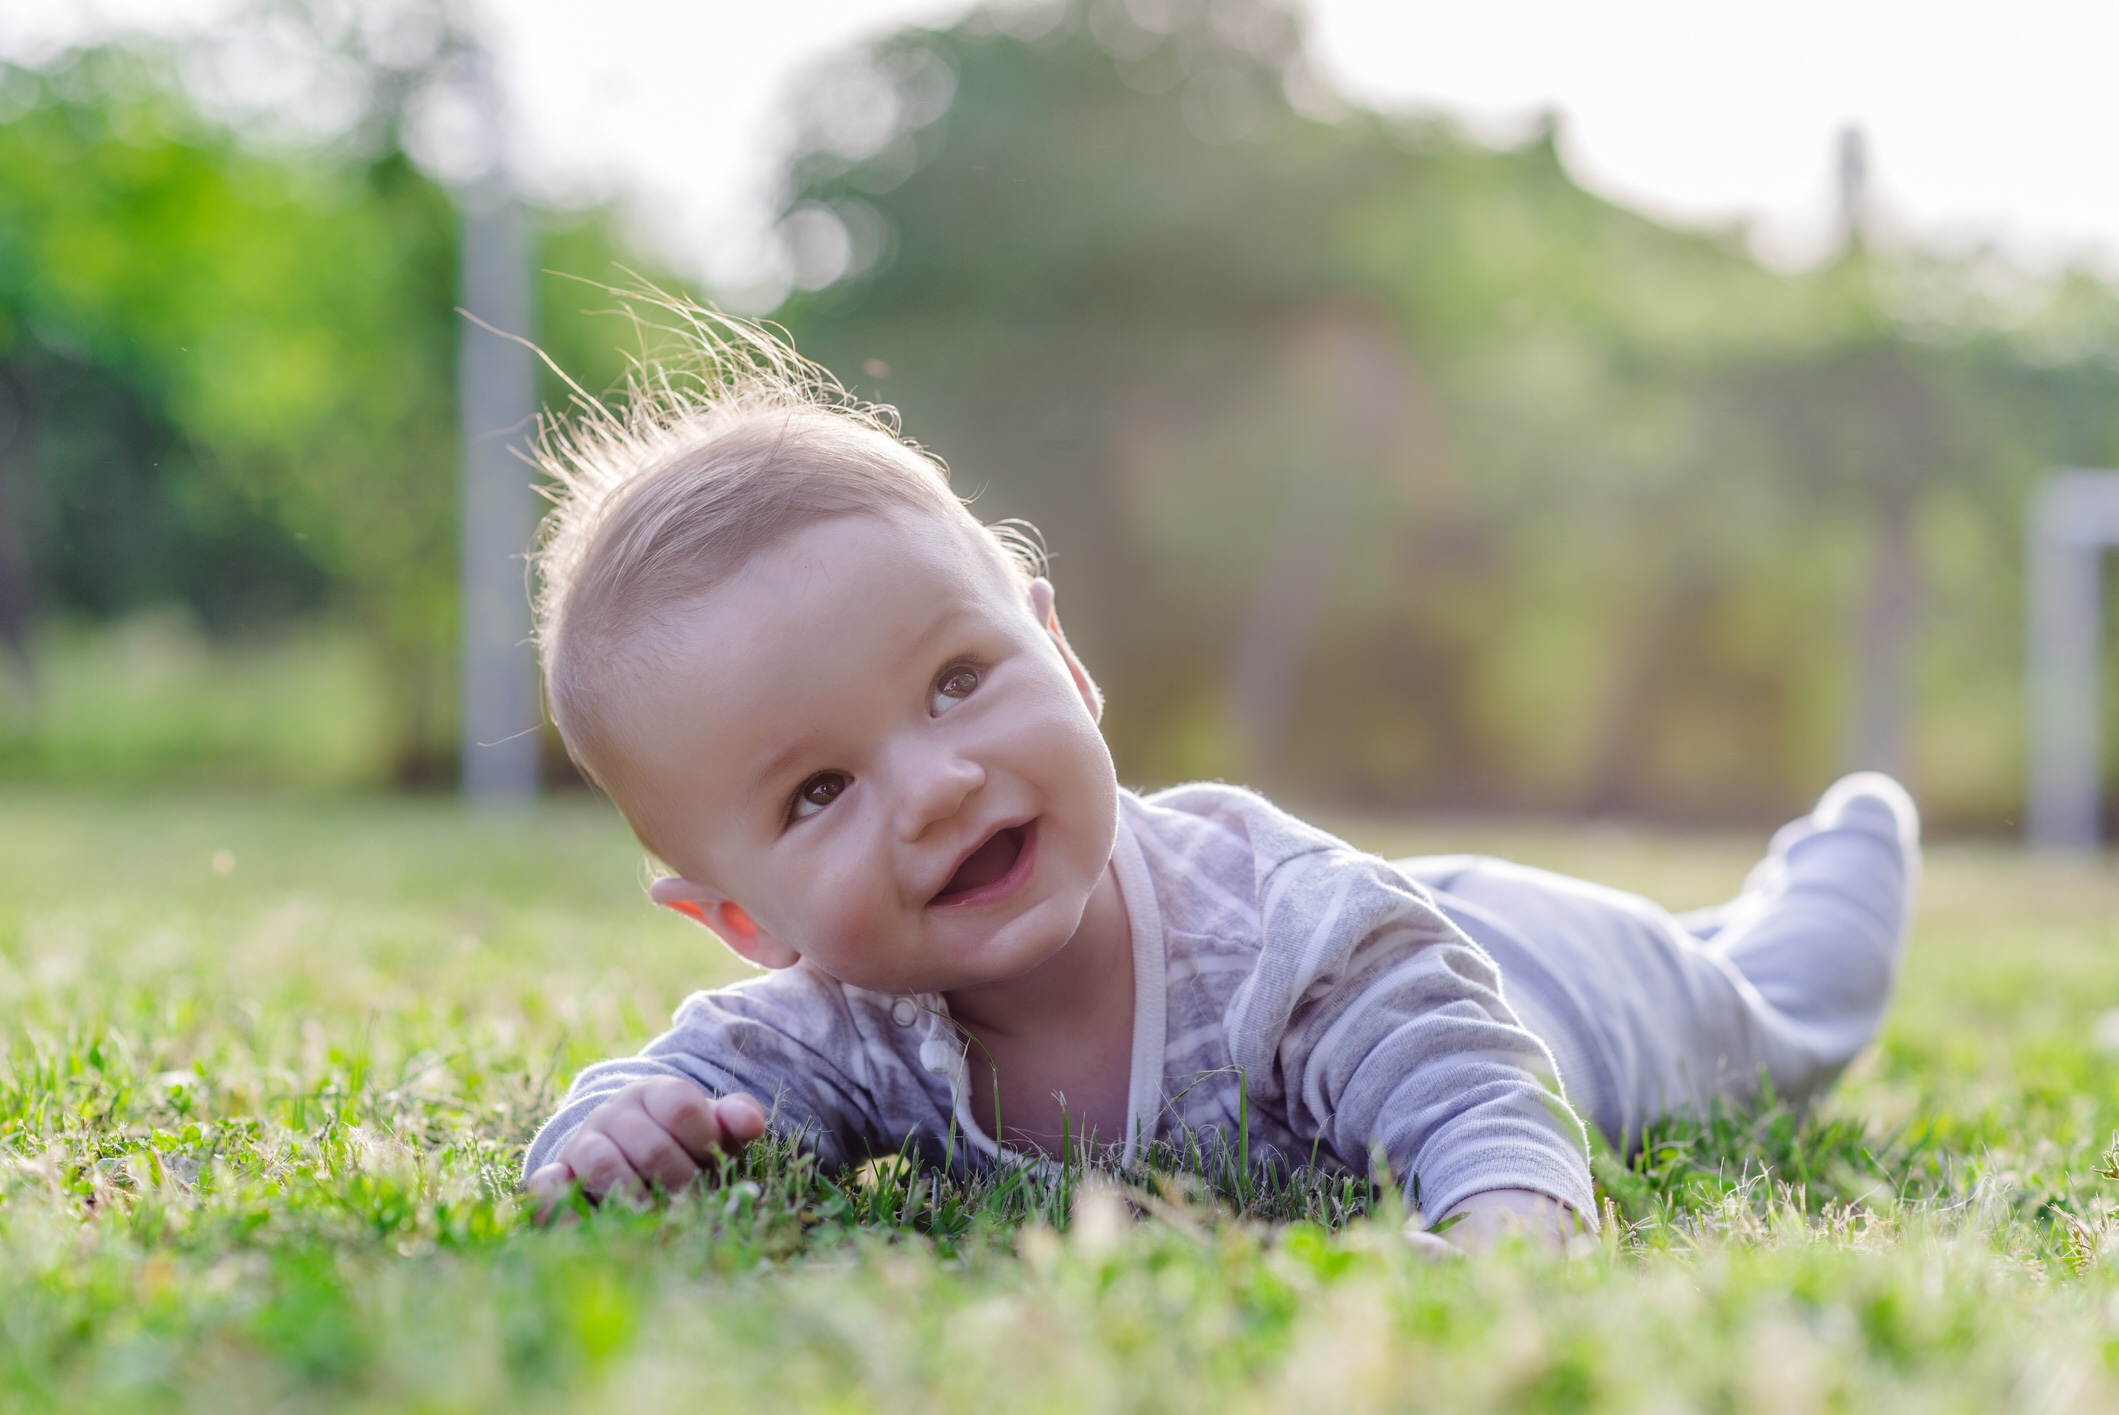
(1020, 946)
(1030, 941)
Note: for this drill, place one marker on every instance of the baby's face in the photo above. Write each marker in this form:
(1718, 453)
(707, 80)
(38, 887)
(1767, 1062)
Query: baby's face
(874, 740)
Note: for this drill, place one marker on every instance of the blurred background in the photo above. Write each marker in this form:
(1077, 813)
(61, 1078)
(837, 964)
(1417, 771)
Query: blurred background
(1423, 412)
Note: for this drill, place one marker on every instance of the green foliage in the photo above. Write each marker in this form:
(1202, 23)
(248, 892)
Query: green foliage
(119, 516)
(232, 370)
(260, 1123)
(290, 317)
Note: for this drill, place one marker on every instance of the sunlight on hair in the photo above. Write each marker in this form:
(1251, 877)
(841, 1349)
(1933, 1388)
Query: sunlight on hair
(723, 441)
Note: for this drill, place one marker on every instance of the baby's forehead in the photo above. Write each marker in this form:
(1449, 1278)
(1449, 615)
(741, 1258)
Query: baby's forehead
(823, 606)
(890, 563)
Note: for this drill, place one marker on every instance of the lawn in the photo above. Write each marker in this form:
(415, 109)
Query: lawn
(268, 1065)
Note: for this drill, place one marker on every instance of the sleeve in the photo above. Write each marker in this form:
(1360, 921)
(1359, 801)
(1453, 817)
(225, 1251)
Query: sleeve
(788, 1038)
(1374, 1021)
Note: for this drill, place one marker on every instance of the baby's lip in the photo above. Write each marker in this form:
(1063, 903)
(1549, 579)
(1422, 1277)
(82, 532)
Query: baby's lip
(986, 891)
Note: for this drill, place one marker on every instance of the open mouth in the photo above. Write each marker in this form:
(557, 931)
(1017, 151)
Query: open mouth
(993, 869)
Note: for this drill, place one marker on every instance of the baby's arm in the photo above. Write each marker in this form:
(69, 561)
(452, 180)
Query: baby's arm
(734, 1060)
(653, 1134)
(1391, 1031)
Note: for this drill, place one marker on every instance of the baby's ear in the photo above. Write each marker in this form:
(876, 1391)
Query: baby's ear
(1044, 604)
(728, 921)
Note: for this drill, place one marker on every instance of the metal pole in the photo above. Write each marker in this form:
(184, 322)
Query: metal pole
(1853, 186)
(2074, 517)
(497, 412)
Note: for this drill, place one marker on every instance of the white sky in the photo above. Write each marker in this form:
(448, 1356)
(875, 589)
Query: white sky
(1986, 120)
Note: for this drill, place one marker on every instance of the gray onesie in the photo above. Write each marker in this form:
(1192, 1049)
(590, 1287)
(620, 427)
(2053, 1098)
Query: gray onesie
(1329, 1003)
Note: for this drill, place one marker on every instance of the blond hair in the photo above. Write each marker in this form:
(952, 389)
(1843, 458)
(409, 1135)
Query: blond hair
(722, 446)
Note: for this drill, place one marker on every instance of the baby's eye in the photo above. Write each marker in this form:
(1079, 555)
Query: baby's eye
(952, 687)
(816, 793)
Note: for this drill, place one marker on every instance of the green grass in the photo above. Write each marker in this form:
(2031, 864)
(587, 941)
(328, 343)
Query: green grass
(259, 1127)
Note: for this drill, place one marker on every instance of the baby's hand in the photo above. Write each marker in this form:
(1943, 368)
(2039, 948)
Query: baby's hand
(1482, 1219)
(652, 1134)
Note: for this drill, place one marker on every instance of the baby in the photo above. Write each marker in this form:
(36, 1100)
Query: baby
(845, 716)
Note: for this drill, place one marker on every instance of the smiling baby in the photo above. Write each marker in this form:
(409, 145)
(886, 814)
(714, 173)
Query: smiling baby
(844, 715)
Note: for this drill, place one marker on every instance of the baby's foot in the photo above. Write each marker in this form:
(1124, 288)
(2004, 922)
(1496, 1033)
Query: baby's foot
(1862, 800)
(1865, 801)
(1869, 800)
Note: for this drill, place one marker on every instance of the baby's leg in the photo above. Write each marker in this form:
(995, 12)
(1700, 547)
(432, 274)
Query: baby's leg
(1820, 936)
(1648, 1017)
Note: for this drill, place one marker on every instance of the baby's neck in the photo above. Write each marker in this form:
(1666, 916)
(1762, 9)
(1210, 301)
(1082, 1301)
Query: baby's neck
(1065, 1026)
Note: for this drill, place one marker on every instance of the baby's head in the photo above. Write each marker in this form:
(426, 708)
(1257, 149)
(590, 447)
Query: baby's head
(834, 703)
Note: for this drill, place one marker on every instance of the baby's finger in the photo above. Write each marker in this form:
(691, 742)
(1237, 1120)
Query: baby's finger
(550, 1180)
(1431, 1246)
(601, 1166)
(742, 1119)
(549, 1187)
(686, 1112)
(651, 1151)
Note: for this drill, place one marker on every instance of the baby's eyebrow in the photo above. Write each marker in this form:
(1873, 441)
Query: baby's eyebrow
(946, 614)
(779, 763)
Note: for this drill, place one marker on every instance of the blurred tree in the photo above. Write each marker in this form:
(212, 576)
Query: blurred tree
(228, 363)
(1381, 464)
(123, 516)
(288, 318)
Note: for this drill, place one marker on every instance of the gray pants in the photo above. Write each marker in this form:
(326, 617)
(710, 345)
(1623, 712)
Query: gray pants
(1651, 1014)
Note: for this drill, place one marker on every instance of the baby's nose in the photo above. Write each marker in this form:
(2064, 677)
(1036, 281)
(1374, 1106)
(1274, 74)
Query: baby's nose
(936, 787)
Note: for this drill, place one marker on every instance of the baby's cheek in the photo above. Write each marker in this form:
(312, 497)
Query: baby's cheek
(847, 916)
(1091, 793)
